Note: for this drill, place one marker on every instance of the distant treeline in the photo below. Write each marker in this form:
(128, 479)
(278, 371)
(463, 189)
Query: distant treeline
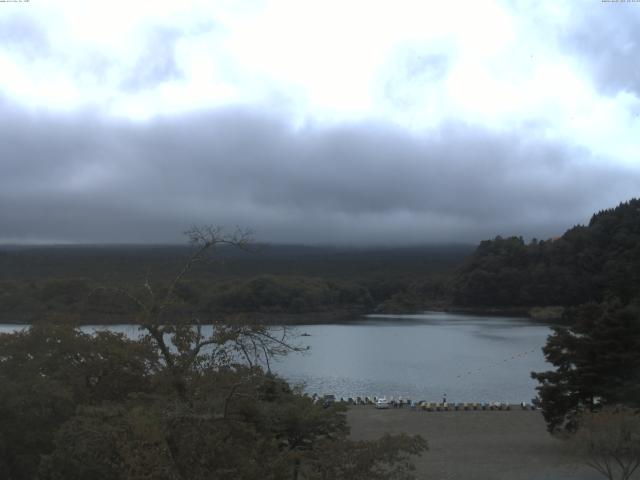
(93, 283)
(587, 263)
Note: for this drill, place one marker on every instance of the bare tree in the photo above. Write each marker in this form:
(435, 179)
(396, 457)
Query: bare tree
(609, 441)
(181, 341)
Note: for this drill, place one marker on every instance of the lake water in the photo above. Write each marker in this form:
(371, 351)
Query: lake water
(422, 357)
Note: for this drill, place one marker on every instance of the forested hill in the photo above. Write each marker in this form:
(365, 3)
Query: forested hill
(65, 281)
(585, 264)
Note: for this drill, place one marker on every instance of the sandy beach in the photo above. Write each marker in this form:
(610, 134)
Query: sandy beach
(477, 445)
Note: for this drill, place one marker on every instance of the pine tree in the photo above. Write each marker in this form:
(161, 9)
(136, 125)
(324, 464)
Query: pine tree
(597, 362)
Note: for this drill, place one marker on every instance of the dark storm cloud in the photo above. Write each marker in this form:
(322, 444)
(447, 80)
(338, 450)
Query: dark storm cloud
(607, 38)
(85, 179)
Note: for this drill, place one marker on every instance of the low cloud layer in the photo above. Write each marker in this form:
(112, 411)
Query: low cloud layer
(83, 178)
(352, 123)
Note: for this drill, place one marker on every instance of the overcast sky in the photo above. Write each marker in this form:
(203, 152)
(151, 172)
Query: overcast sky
(340, 122)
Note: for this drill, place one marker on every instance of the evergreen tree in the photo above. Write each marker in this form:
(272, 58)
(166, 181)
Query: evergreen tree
(597, 362)
(586, 264)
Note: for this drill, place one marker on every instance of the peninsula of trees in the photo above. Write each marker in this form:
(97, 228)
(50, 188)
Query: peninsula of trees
(586, 263)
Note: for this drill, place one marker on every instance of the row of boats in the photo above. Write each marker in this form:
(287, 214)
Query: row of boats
(445, 406)
(384, 403)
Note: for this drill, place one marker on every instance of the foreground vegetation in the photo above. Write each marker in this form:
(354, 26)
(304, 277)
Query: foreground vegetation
(75, 406)
(174, 404)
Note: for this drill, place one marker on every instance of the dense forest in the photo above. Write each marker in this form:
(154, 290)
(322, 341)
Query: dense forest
(39, 283)
(587, 263)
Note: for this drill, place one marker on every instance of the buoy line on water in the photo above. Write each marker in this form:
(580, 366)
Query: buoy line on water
(499, 362)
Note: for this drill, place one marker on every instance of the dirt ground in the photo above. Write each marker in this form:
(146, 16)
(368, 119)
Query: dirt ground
(477, 445)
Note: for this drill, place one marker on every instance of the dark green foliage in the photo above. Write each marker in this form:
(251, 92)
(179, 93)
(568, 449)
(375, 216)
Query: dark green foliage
(46, 372)
(585, 264)
(128, 264)
(31, 410)
(40, 283)
(50, 299)
(285, 294)
(75, 406)
(162, 441)
(597, 362)
(415, 295)
(66, 292)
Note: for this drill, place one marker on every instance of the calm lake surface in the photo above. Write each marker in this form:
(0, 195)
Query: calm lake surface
(422, 357)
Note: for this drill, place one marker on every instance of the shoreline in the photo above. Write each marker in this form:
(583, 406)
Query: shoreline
(265, 318)
(333, 317)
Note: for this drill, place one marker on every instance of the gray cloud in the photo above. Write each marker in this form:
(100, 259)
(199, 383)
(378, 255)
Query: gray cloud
(607, 38)
(24, 36)
(157, 63)
(85, 178)
(150, 61)
(413, 71)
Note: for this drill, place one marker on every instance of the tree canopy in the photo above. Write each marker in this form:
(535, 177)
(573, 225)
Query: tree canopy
(596, 360)
(585, 264)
